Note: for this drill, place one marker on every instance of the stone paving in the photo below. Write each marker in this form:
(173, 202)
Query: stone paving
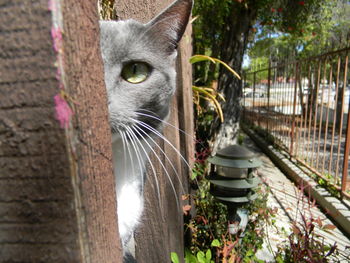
(288, 200)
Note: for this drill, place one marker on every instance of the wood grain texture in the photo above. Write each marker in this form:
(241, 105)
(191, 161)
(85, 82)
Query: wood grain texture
(92, 137)
(57, 198)
(185, 99)
(161, 231)
(140, 10)
(37, 215)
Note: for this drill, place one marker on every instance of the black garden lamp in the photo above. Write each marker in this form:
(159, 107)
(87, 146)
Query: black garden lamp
(232, 181)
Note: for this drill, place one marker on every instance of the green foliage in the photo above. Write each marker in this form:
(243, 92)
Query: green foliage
(225, 28)
(297, 22)
(198, 58)
(189, 258)
(211, 242)
(260, 216)
(209, 94)
(174, 257)
(208, 31)
(199, 169)
(282, 28)
(200, 257)
(215, 243)
(210, 221)
(294, 30)
(327, 183)
(207, 99)
(290, 16)
(269, 138)
(204, 258)
(240, 138)
(303, 244)
(210, 239)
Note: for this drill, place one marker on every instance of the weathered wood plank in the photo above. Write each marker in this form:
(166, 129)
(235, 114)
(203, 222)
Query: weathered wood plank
(57, 199)
(26, 238)
(92, 135)
(161, 231)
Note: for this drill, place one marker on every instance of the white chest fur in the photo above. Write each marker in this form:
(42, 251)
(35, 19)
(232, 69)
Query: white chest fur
(129, 161)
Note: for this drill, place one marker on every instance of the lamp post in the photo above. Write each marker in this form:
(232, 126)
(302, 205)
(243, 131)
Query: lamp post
(232, 181)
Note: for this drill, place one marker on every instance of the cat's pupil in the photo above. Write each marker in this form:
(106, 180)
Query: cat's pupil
(135, 72)
(134, 68)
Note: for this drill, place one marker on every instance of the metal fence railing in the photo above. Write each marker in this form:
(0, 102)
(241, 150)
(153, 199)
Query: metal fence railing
(304, 106)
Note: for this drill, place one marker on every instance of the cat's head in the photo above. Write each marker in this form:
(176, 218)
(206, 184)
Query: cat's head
(139, 65)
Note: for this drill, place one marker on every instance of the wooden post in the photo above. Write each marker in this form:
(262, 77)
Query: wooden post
(161, 231)
(57, 197)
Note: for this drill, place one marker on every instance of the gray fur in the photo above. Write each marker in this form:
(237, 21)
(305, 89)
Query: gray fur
(129, 104)
(126, 41)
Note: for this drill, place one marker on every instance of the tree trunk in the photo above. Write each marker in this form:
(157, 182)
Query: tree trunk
(161, 229)
(57, 197)
(233, 48)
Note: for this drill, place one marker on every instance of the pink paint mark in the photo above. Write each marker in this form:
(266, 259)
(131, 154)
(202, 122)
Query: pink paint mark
(52, 5)
(56, 35)
(63, 111)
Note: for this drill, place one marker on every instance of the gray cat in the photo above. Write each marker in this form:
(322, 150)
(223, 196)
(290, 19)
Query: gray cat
(139, 66)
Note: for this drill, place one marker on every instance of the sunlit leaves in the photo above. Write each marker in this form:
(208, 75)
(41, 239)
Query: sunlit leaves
(199, 58)
(210, 95)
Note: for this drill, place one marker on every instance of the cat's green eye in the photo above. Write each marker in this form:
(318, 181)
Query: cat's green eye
(135, 72)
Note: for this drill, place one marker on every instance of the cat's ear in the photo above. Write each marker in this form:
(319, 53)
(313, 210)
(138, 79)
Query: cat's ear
(169, 26)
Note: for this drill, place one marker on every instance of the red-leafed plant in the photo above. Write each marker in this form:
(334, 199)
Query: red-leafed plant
(305, 243)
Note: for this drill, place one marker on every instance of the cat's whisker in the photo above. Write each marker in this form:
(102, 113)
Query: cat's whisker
(165, 155)
(124, 147)
(154, 47)
(168, 176)
(132, 137)
(137, 141)
(151, 164)
(131, 149)
(113, 122)
(164, 122)
(154, 131)
(134, 142)
(123, 134)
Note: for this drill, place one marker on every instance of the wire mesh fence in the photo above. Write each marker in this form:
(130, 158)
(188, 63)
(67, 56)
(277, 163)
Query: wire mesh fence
(303, 107)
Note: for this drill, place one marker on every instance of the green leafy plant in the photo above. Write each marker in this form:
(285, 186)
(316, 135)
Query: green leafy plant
(327, 182)
(209, 230)
(200, 58)
(304, 244)
(200, 257)
(174, 257)
(209, 93)
(240, 138)
(209, 227)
